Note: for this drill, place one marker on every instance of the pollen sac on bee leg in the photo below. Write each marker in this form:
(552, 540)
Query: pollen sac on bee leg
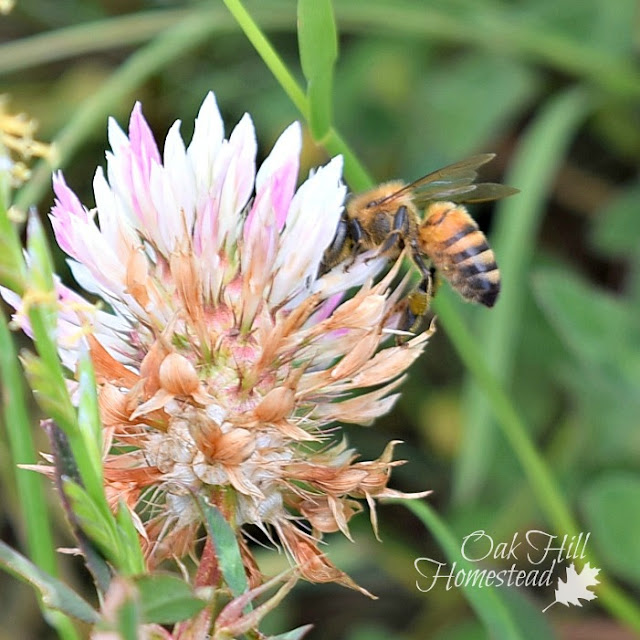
(414, 309)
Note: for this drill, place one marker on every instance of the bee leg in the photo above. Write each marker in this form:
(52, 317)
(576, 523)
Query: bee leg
(334, 252)
(355, 233)
(399, 231)
(436, 281)
(428, 272)
(416, 306)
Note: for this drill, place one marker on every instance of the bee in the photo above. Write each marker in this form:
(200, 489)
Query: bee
(445, 240)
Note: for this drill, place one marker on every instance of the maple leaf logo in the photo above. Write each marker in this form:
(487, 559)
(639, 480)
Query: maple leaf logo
(576, 586)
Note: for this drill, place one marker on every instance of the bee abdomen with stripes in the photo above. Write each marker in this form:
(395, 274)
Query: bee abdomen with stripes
(449, 236)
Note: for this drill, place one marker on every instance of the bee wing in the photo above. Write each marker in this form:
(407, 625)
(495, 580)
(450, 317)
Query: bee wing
(454, 182)
(483, 192)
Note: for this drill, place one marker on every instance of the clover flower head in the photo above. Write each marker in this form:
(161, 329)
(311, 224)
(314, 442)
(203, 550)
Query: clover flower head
(226, 355)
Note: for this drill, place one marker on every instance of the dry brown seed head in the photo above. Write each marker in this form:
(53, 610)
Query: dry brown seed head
(276, 405)
(230, 448)
(113, 406)
(178, 376)
(137, 277)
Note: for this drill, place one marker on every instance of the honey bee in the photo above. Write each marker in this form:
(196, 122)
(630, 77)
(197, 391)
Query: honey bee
(386, 219)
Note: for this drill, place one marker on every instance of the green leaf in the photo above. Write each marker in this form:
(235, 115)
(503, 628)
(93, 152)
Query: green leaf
(40, 272)
(54, 593)
(226, 546)
(92, 520)
(464, 629)
(532, 623)
(602, 399)
(166, 599)
(86, 440)
(67, 470)
(19, 428)
(12, 267)
(603, 334)
(88, 412)
(616, 229)
(128, 619)
(124, 611)
(488, 605)
(317, 38)
(596, 326)
(538, 158)
(320, 109)
(294, 634)
(129, 540)
(318, 44)
(46, 375)
(612, 511)
(34, 508)
(603, 25)
(52, 396)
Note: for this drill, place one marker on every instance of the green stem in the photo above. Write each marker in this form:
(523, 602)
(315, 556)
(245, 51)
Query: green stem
(359, 178)
(354, 171)
(29, 484)
(534, 167)
(39, 542)
(269, 56)
(536, 470)
(512, 426)
(487, 603)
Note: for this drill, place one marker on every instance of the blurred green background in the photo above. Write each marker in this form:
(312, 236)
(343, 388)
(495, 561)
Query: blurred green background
(553, 87)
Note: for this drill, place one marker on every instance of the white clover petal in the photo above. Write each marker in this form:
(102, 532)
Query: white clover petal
(311, 226)
(84, 276)
(285, 151)
(115, 225)
(352, 274)
(129, 168)
(205, 144)
(239, 178)
(171, 223)
(85, 243)
(117, 137)
(178, 172)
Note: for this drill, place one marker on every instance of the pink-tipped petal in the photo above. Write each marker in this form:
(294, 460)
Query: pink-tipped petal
(178, 173)
(239, 177)
(279, 171)
(143, 145)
